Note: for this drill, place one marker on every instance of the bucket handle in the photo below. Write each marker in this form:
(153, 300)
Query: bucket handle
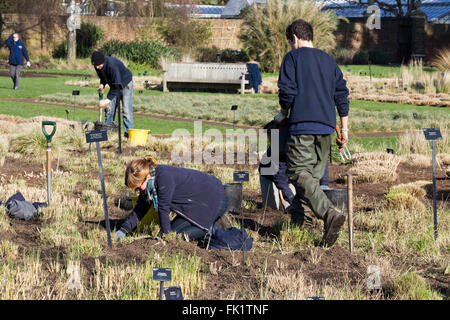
(47, 135)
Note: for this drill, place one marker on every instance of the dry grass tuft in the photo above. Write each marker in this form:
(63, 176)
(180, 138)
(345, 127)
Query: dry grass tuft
(442, 59)
(375, 167)
(413, 142)
(399, 199)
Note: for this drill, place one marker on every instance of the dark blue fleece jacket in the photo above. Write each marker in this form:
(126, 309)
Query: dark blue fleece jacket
(114, 71)
(192, 194)
(311, 84)
(17, 51)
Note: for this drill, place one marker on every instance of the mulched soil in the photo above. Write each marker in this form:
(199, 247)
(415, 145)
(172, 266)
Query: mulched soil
(334, 265)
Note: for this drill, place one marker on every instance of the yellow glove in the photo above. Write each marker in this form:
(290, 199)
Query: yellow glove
(28, 64)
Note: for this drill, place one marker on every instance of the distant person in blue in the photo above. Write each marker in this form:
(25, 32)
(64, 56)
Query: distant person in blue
(280, 178)
(254, 74)
(17, 53)
(197, 198)
(112, 71)
(310, 89)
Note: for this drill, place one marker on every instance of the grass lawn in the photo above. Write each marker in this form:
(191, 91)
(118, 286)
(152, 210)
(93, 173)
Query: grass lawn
(254, 110)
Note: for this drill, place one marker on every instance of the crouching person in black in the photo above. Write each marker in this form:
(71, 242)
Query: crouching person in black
(197, 198)
(278, 167)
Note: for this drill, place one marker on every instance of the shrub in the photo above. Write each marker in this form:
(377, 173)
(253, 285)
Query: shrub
(361, 57)
(378, 57)
(225, 55)
(60, 51)
(184, 33)
(342, 55)
(148, 53)
(88, 36)
(264, 27)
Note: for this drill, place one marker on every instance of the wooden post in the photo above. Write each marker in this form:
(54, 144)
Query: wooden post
(243, 83)
(165, 82)
(350, 209)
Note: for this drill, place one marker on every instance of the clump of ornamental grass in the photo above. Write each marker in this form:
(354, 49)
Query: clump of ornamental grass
(400, 199)
(375, 167)
(442, 59)
(414, 142)
(411, 286)
(8, 250)
(285, 284)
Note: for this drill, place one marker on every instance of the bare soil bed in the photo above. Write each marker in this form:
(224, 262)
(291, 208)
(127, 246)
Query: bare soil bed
(333, 265)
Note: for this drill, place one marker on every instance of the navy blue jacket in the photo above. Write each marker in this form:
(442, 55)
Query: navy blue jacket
(23, 52)
(254, 76)
(114, 71)
(192, 194)
(311, 84)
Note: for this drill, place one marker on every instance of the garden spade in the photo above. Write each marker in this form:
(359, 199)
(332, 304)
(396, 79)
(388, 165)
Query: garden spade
(100, 98)
(49, 136)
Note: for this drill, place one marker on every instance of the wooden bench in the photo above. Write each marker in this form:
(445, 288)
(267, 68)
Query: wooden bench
(206, 76)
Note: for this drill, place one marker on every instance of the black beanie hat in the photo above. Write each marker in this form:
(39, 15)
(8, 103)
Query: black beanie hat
(98, 58)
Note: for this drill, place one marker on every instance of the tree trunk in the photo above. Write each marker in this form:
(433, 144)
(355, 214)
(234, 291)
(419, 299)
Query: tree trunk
(71, 46)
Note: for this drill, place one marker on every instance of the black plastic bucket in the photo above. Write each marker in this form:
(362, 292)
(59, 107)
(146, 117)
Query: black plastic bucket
(338, 197)
(234, 192)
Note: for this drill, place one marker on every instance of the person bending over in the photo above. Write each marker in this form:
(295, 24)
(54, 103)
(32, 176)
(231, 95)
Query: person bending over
(198, 199)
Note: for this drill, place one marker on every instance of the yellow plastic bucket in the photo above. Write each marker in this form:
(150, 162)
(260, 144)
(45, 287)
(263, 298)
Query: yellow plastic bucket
(138, 137)
(151, 217)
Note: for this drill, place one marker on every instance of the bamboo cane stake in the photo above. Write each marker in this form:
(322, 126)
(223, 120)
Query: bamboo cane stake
(350, 209)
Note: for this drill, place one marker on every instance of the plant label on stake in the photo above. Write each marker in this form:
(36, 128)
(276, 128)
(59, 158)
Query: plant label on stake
(173, 293)
(234, 108)
(161, 275)
(97, 136)
(241, 176)
(74, 93)
(433, 134)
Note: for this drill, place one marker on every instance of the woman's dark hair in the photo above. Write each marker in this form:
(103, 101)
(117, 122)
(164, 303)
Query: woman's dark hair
(302, 29)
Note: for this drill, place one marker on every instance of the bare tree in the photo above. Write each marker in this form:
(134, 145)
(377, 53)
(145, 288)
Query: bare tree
(129, 8)
(399, 8)
(403, 11)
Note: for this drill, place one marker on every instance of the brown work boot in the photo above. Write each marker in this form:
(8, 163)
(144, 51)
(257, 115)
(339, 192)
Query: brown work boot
(333, 222)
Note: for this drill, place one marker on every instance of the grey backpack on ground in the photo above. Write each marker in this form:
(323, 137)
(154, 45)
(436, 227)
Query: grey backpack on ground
(19, 208)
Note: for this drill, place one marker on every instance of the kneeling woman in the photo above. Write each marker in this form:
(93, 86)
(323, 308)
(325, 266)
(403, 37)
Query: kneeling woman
(197, 198)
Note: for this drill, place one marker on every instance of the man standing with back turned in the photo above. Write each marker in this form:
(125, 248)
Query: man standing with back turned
(112, 71)
(310, 86)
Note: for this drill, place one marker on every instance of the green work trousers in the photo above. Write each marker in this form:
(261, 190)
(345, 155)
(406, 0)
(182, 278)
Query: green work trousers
(307, 157)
